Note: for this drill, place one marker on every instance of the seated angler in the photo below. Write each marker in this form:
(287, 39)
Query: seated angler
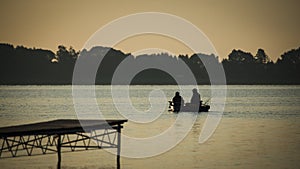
(177, 102)
(196, 99)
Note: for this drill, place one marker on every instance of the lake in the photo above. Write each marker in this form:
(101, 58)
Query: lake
(260, 127)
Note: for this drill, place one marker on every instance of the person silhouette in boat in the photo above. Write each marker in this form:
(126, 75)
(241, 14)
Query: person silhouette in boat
(177, 102)
(196, 98)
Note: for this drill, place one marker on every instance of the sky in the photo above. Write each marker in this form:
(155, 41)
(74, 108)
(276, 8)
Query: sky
(272, 25)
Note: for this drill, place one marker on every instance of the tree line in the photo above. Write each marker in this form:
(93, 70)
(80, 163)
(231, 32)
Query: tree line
(26, 66)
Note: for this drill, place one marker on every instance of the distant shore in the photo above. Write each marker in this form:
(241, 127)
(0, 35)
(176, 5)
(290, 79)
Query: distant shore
(25, 66)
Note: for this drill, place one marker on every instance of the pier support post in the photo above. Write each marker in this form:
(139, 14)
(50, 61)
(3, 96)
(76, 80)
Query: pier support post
(119, 146)
(58, 152)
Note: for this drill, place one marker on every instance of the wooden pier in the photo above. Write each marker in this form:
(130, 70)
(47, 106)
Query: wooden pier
(58, 136)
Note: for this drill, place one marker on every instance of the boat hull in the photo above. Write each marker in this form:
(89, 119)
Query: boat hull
(189, 108)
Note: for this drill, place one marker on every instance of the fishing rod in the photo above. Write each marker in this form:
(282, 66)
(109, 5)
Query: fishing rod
(206, 101)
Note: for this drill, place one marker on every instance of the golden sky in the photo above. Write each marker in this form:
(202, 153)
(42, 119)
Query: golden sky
(230, 24)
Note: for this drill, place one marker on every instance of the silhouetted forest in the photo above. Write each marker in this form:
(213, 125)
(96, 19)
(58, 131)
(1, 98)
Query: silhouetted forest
(21, 65)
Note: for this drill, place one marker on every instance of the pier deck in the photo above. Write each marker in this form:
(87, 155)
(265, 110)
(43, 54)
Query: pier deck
(59, 136)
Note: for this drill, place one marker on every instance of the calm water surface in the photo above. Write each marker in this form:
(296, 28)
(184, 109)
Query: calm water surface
(260, 127)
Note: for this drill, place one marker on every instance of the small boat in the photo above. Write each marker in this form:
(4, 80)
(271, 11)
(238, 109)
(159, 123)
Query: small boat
(188, 107)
